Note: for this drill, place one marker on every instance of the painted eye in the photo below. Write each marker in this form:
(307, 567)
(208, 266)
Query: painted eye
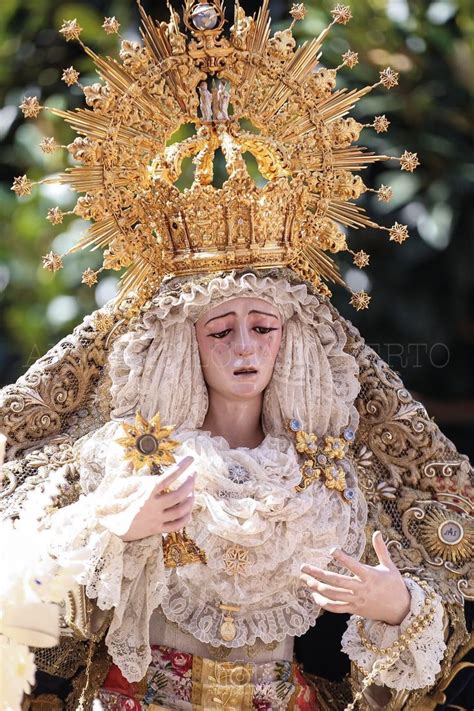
(263, 329)
(221, 334)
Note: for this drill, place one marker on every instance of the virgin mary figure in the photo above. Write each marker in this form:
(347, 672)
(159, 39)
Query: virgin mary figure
(236, 462)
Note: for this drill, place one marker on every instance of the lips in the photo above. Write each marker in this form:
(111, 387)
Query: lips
(245, 371)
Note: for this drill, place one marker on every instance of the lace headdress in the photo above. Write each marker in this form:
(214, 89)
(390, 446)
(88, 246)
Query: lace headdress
(155, 366)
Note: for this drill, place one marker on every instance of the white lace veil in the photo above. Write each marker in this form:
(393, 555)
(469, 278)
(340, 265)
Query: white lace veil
(156, 367)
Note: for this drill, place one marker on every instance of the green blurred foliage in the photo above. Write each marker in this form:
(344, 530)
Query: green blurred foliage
(422, 292)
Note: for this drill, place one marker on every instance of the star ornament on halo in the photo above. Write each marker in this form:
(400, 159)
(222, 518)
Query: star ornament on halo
(111, 25)
(342, 14)
(351, 59)
(381, 124)
(298, 11)
(70, 76)
(30, 107)
(388, 78)
(409, 161)
(360, 300)
(398, 233)
(48, 145)
(52, 262)
(70, 30)
(148, 442)
(22, 186)
(89, 277)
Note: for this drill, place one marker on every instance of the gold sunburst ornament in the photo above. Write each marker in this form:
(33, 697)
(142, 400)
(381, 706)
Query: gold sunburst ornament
(245, 91)
(448, 536)
(149, 443)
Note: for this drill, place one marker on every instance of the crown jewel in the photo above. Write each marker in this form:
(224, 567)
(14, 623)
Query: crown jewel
(244, 94)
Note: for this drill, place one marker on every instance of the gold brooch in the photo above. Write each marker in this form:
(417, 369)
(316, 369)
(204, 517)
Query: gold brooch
(150, 443)
(322, 459)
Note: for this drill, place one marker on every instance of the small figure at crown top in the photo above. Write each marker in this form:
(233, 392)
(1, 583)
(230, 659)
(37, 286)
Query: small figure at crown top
(205, 101)
(220, 101)
(223, 98)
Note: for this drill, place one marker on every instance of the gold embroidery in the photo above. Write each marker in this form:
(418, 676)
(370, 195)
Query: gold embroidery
(220, 685)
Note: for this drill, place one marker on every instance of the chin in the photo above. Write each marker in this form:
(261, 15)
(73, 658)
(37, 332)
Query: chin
(246, 391)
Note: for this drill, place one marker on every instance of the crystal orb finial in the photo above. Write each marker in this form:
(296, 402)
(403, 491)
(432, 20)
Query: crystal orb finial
(204, 16)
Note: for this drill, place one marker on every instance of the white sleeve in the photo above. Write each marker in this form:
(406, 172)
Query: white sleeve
(126, 577)
(419, 664)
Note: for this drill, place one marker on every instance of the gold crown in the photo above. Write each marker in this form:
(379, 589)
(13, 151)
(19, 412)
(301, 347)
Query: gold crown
(249, 93)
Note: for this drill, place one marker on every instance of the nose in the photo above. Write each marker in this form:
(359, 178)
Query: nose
(243, 344)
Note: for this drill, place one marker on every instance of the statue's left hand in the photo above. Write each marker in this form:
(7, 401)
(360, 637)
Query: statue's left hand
(373, 592)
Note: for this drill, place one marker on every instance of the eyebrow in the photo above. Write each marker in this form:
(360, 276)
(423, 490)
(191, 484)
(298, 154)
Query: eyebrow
(233, 313)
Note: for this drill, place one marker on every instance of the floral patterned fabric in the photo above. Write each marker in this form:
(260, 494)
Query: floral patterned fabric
(185, 682)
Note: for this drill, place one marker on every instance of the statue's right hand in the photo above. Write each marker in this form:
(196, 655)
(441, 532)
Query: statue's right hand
(165, 512)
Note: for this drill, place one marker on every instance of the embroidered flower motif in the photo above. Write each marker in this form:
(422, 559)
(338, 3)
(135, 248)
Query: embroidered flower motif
(179, 662)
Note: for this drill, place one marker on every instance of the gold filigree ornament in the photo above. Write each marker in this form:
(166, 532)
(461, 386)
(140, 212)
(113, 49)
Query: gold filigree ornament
(246, 92)
(322, 459)
(149, 443)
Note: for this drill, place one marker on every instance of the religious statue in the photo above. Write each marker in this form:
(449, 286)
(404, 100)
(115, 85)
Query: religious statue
(220, 101)
(242, 471)
(205, 97)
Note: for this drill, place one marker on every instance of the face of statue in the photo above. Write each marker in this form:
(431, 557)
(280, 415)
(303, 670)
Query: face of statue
(238, 345)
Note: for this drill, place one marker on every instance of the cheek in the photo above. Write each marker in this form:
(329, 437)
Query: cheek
(269, 347)
(214, 355)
